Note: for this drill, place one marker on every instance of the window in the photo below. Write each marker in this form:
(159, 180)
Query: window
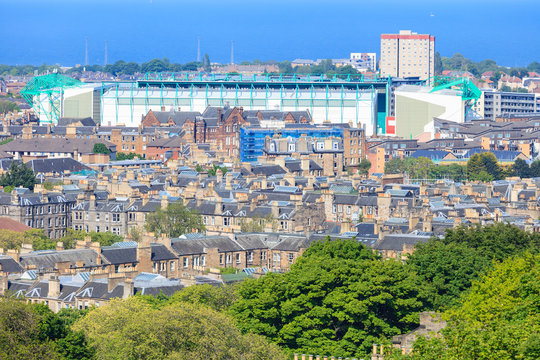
(277, 257)
(97, 216)
(335, 146)
(228, 259)
(163, 266)
(226, 221)
(221, 259)
(291, 257)
(238, 258)
(203, 260)
(263, 255)
(250, 256)
(186, 262)
(116, 217)
(172, 265)
(320, 146)
(292, 147)
(196, 261)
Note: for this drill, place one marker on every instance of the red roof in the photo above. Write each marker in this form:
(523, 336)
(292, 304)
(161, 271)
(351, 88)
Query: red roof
(10, 224)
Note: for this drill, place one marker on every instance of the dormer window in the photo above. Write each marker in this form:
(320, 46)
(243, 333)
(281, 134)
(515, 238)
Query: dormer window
(292, 147)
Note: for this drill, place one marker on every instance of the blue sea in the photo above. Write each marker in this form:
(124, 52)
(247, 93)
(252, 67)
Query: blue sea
(37, 32)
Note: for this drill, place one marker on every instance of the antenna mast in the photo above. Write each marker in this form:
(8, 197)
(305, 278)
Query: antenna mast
(198, 49)
(232, 52)
(105, 53)
(86, 51)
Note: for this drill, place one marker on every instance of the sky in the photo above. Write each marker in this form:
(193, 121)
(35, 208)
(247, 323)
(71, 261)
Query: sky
(54, 31)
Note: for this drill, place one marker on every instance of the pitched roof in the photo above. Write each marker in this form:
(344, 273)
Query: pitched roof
(58, 166)
(10, 224)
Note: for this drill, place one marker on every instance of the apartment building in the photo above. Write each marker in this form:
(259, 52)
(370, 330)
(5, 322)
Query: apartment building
(407, 54)
(496, 103)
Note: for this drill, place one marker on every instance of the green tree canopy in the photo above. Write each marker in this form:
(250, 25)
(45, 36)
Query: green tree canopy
(450, 265)
(126, 156)
(134, 329)
(364, 166)
(106, 238)
(338, 298)
(100, 148)
(30, 331)
(498, 319)
(174, 221)
(483, 167)
(18, 175)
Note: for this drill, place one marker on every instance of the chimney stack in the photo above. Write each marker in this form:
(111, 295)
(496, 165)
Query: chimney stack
(54, 287)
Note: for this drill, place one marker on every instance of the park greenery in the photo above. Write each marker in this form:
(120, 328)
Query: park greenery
(497, 318)
(337, 299)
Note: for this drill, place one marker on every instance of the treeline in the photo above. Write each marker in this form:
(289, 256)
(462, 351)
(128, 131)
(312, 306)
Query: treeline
(338, 299)
(459, 62)
(14, 240)
(480, 167)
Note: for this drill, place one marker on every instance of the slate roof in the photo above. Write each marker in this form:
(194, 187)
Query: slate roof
(47, 260)
(59, 165)
(54, 145)
(9, 265)
(199, 246)
(396, 241)
(120, 255)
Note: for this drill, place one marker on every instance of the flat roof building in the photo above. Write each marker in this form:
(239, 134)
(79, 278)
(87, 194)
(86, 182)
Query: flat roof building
(407, 54)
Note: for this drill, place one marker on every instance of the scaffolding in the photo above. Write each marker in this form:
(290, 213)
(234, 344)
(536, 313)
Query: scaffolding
(45, 95)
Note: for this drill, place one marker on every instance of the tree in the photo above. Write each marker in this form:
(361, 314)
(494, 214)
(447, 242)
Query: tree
(449, 269)
(103, 238)
(285, 67)
(483, 167)
(338, 298)
(450, 265)
(206, 63)
(10, 239)
(364, 166)
(212, 171)
(126, 156)
(438, 64)
(499, 318)
(100, 148)
(31, 331)
(174, 221)
(18, 175)
(38, 240)
(134, 329)
(521, 168)
(219, 298)
(7, 106)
